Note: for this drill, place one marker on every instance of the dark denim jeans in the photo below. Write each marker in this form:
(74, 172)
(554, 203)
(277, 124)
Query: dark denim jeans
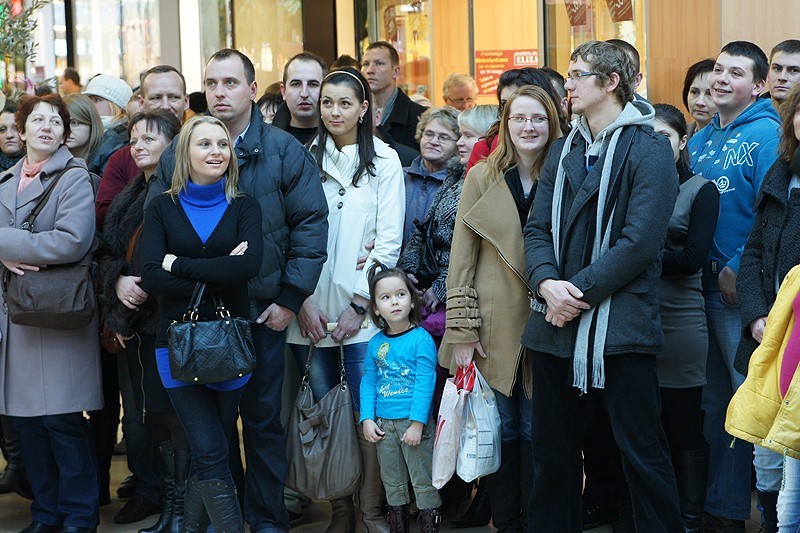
(324, 373)
(264, 438)
(207, 417)
(631, 398)
(59, 457)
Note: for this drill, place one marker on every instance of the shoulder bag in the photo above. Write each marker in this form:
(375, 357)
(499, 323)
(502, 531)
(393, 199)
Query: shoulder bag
(55, 297)
(324, 455)
(428, 269)
(210, 351)
(108, 339)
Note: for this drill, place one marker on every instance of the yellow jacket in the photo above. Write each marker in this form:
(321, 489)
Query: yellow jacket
(757, 413)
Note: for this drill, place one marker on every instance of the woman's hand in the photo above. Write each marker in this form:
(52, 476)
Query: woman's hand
(129, 292)
(362, 261)
(18, 268)
(166, 263)
(430, 300)
(349, 321)
(371, 431)
(464, 353)
(757, 328)
(240, 249)
(413, 435)
(312, 322)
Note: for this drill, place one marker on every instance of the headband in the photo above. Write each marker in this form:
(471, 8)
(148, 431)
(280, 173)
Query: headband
(363, 91)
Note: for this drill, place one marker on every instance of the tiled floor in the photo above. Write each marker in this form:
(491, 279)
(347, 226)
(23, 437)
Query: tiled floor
(14, 515)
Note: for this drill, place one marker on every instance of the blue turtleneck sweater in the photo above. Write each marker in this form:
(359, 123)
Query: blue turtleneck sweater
(204, 205)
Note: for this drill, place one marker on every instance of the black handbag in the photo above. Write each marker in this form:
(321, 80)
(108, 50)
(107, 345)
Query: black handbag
(210, 351)
(321, 441)
(55, 297)
(428, 269)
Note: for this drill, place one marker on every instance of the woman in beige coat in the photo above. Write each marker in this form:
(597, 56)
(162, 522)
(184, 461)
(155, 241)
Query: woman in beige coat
(49, 377)
(488, 297)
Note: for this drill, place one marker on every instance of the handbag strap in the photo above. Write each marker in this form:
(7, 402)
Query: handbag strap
(31, 218)
(194, 302)
(132, 243)
(342, 377)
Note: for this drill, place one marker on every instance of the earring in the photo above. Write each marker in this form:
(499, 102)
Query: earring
(361, 119)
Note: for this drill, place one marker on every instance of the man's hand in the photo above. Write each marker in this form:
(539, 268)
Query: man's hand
(727, 285)
(276, 317)
(563, 301)
(312, 322)
(757, 328)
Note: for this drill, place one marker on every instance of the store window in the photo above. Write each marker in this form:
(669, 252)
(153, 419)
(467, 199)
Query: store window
(568, 23)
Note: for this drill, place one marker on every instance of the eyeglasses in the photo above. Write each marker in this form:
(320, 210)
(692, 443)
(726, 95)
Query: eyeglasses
(460, 101)
(76, 124)
(442, 137)
(522, 119)
(576, 75)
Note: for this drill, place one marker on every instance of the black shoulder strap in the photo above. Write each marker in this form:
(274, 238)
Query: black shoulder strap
(28, 224)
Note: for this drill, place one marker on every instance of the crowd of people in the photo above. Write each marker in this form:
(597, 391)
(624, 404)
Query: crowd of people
(623, 280)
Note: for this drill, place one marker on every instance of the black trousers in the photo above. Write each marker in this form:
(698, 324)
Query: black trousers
(631, 399)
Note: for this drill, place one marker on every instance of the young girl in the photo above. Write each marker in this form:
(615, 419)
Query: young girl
(396, 398)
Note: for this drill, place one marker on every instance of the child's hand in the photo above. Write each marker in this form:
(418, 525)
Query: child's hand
(413, 434)
(371, 431)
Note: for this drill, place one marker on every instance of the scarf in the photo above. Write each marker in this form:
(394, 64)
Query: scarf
(29, 173)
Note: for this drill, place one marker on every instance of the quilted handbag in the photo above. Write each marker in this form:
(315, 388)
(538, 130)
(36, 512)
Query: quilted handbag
(324, 456)
(210, 351)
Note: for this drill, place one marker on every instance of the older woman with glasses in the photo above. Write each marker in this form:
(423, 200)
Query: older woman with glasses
(437, 134)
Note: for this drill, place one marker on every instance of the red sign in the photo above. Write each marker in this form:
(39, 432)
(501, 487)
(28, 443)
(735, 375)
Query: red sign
(620, 10)
(490, 64)
(576, 10)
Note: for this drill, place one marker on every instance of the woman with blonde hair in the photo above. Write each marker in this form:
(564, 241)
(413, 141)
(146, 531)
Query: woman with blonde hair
(488, 293)
(86, 126)
(203, 230)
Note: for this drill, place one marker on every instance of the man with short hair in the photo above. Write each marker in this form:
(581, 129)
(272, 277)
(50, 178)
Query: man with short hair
(282, 177)
(69, 82)
(784, 70)
(734, 150)
(460, 91)
(593, 253)
(302, 78)
(398, 114)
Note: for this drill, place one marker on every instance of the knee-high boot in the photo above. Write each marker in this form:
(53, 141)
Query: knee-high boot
(183, 459)
(504, 490)
(769, 503)
(343, 518)
(222, 504)
(165, 470)
(525, 479)
(14, 472)
(691, 470)
(369, 498)
(195, 518)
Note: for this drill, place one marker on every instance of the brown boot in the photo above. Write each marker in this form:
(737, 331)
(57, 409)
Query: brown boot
(369, 498)
(428, 520)
(398, 519)
(343, 518)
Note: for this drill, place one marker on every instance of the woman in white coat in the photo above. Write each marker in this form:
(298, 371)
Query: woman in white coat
(363, 182)
(48, 377)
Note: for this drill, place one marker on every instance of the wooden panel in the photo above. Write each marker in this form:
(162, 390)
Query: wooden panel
(450, 27)
(679, 33)
(765, 24)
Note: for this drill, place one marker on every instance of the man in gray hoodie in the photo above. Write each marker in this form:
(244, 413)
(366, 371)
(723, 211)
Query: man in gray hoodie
(593, 252)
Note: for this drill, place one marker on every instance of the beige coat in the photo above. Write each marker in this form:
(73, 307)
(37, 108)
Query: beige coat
(488, 298)
(46, 371)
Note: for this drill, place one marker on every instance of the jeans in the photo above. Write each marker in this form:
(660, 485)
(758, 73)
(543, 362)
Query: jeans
(207, 417)
(631, 398)
(769, 469)
(515, 413)
(729, 467)
(138, 443)
(324, 374)
(399, 462)
(789, 497)
(59, 458)
(264, 438)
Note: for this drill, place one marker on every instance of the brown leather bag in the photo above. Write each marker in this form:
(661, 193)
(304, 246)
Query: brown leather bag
(322, 444)
(108, 340)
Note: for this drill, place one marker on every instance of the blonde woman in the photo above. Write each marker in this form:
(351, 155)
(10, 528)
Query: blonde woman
(203, 230)
(487, 292)
(86, 126)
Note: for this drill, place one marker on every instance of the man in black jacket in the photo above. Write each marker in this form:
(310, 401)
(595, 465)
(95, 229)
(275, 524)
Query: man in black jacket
(299, 113)
(593, 252)
(281, 175)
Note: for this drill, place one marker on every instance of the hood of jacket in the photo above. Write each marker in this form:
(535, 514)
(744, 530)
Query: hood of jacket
(635, 113)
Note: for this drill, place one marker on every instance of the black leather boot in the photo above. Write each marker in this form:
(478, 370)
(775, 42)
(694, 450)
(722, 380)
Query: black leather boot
(222, 505)
(691, 471)
(183, 459)
(14, 472)
(504, 493)
(195, 519)
(428, 520)
(398, 519)
(769, 506)
(165, 470)
(479, 513)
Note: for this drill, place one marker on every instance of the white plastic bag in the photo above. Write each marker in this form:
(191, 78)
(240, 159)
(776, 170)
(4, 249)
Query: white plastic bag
(479, 447)
(448, 430)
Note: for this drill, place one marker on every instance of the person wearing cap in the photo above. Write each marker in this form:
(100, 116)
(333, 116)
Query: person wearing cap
(110, 96)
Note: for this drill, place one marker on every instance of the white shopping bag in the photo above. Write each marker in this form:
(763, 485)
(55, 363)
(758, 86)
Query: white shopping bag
(479, 446)
(448, 429)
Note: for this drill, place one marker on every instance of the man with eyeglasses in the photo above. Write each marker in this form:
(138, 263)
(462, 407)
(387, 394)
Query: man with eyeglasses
(460, 91)
(593, 252)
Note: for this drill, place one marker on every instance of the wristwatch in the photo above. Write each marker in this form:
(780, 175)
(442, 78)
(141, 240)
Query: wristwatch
(358, 309)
